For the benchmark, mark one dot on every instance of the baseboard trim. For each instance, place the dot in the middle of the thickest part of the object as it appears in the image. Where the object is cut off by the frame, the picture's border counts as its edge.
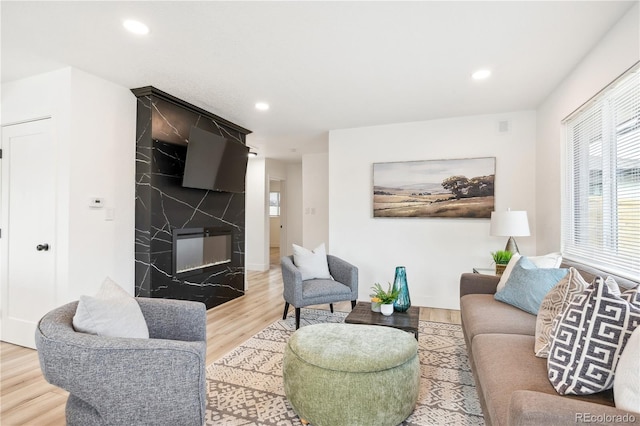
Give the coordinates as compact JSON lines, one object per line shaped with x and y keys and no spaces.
{"x":258,"y":267}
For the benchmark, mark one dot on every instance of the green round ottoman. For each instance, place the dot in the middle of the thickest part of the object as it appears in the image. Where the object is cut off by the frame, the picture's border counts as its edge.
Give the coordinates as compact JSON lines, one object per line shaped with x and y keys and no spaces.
{"x":348,"y":374}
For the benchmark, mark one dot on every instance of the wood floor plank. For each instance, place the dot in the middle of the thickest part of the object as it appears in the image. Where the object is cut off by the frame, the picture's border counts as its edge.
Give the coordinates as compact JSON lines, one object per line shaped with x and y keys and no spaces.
{"x":47,"y":407}
{"x":27,"y":399}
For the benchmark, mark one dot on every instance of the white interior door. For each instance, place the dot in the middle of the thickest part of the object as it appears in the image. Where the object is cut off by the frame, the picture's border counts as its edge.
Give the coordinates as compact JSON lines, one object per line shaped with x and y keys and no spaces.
{"x":28,"y":229}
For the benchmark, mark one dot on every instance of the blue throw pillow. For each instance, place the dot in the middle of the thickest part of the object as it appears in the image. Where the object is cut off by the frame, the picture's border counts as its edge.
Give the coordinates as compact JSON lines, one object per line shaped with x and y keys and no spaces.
{"x":527,"y":285}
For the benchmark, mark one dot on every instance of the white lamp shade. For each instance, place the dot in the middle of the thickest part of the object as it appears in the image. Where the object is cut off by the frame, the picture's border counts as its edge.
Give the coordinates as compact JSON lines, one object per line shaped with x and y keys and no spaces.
{"x":510,"y":223}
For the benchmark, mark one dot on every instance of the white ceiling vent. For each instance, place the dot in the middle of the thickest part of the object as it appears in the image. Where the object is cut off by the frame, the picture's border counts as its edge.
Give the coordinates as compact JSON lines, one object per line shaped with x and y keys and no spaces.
{"x":504,"y":126}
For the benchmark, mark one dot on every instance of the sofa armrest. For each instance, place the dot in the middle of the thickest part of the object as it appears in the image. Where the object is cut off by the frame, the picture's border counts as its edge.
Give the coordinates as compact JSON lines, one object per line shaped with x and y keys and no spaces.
{"x":478,"y":284}
{"x":291,"y":280}
{"x":345,"y":273}
{"x":174,"y":319}
{"x":530,"y":408}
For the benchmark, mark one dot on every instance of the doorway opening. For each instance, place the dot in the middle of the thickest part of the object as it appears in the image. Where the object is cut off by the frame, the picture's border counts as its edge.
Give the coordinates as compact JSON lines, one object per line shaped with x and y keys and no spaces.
{"x":277,"y":238}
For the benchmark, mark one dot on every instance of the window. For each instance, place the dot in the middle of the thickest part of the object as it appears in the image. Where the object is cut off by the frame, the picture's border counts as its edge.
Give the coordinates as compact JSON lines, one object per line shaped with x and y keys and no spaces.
{"x":274,"y":204}
{"x":601,"y":203}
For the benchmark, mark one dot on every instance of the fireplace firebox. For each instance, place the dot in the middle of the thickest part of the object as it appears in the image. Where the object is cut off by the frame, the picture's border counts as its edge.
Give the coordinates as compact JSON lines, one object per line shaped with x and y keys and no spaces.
{"x":197,"y":249}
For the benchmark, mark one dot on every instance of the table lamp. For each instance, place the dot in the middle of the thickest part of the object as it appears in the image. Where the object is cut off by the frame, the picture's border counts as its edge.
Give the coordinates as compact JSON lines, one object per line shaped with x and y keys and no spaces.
{"x":510,"y":223}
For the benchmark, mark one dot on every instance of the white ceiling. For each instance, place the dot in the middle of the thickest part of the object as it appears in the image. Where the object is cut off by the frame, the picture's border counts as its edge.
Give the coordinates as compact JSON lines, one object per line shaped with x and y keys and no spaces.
{"x":320,"y":65}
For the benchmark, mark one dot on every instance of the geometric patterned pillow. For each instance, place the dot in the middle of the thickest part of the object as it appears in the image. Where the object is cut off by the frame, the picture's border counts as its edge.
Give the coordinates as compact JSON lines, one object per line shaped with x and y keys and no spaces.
{"x":553,"y":304}
{"x":589,"y":337}
{"x":632,"y":296}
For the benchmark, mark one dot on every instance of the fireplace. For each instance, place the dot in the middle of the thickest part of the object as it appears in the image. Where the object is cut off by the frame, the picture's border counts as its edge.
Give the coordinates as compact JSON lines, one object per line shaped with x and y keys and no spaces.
{"x":196,"y":249}
{"x":163,"y":204}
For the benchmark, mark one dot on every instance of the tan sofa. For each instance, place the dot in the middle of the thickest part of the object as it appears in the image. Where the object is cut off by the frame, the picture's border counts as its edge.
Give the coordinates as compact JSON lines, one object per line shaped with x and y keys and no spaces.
{"x":511,"y":381}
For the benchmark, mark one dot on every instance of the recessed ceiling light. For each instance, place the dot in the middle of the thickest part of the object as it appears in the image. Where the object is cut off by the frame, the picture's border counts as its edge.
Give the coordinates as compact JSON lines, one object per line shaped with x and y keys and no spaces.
{"x":262,"y":106}
{"x":481,"y":74}
{"x":135,"y":27}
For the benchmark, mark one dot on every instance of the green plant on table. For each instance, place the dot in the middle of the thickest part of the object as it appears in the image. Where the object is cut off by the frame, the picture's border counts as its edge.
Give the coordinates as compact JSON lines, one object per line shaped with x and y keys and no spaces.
{"x":383,"y":297}
{"x":501,"y":257}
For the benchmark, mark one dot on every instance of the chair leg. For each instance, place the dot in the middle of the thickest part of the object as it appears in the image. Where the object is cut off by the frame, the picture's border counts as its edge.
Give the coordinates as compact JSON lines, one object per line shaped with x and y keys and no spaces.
{"x":297,"y":318}
{"x":331,"y":307}
{"x":286,"y":310}
{"x":353,"y":304}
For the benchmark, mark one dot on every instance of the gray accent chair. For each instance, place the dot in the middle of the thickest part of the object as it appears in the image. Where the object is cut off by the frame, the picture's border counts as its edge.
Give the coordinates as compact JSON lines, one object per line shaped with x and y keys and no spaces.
{"x":300,"y":293}
{"x":125,"y":381}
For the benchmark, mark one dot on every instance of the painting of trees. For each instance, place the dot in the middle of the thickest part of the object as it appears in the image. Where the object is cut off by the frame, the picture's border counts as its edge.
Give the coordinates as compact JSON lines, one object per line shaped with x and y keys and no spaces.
{"x":461,"y":188}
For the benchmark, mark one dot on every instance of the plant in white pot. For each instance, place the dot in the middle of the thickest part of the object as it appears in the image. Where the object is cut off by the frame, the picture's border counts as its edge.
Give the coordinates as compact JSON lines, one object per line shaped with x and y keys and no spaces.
{"x":384,"y":298}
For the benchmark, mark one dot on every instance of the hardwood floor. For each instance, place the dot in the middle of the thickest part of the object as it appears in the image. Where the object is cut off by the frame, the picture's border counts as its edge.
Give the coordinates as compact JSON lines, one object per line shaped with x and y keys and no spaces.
{"x":27,"y":399}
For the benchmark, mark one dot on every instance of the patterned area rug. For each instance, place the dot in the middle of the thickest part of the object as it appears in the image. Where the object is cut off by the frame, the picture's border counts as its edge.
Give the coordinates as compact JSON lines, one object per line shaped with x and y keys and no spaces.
{"x":245,"y":386}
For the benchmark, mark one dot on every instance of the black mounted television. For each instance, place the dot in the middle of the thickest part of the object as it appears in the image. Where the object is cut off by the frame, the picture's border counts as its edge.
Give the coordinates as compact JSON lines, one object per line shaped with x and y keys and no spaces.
{"x":214,"y":162}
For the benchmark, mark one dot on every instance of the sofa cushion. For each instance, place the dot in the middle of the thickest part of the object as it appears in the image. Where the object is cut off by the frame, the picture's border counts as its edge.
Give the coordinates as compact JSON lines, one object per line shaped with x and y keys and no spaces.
{"x":589,"y":337}
{"x":528,"y":285}
{"x":482,"y":314}
{"x":324,"y":288}
{"x":529,"y":408}
{"x":505,"y":363}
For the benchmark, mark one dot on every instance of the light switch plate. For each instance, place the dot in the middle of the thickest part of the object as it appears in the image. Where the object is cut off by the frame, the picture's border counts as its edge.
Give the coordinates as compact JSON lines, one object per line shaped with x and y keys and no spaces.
{"x":96,"y":202}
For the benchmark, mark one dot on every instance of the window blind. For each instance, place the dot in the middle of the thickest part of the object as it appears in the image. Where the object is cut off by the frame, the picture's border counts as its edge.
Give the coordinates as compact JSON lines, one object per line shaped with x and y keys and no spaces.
{"x":601,"y":202}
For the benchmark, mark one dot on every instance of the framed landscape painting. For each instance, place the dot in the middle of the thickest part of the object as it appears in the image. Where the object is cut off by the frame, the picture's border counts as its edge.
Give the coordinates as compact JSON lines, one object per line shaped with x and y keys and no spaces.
{"x":434,"y":188}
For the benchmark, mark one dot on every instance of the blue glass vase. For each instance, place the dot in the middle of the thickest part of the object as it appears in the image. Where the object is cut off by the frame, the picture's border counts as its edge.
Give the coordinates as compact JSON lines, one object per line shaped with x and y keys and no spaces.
{"x":403,"y":302}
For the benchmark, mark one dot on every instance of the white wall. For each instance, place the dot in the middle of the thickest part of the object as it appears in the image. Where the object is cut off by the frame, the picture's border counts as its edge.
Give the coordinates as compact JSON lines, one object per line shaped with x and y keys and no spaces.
{"x":293,"y":206}
{"x":434,"y":251}
{"x":103,"y":134}
{"x":257,"y":187}
{"x":315,"y":200}
{"x":94,"y":132}
{"x":615,"y":53}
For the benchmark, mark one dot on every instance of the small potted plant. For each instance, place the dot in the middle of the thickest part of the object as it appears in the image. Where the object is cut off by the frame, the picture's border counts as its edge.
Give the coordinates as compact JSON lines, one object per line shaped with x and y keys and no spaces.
{"x":501,"y":259}
{"x":384,"y":298}
{"x":375,"y":303}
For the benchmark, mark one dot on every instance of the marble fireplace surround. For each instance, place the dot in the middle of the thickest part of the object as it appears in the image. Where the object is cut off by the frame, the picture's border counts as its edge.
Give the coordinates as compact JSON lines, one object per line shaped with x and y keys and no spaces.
{"x":163,"y":205}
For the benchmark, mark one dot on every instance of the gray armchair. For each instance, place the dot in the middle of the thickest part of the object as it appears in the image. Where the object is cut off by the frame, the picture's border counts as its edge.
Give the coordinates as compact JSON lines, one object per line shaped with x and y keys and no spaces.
{"x":124,"y":381}
{"x":300,"y":293}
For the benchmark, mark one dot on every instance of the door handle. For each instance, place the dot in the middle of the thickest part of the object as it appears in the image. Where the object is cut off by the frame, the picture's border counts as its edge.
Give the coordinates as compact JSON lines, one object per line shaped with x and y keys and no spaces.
{"x":42,"y":247}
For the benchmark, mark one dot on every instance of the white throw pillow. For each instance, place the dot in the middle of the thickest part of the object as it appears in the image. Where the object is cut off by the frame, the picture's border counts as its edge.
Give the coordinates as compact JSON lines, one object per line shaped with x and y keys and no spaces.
{"x":111,"y":313}
{"x":312,"y":264}
{"x":613,"y":285}
{"x":551,"y":260}
{"x":626,"y":384}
